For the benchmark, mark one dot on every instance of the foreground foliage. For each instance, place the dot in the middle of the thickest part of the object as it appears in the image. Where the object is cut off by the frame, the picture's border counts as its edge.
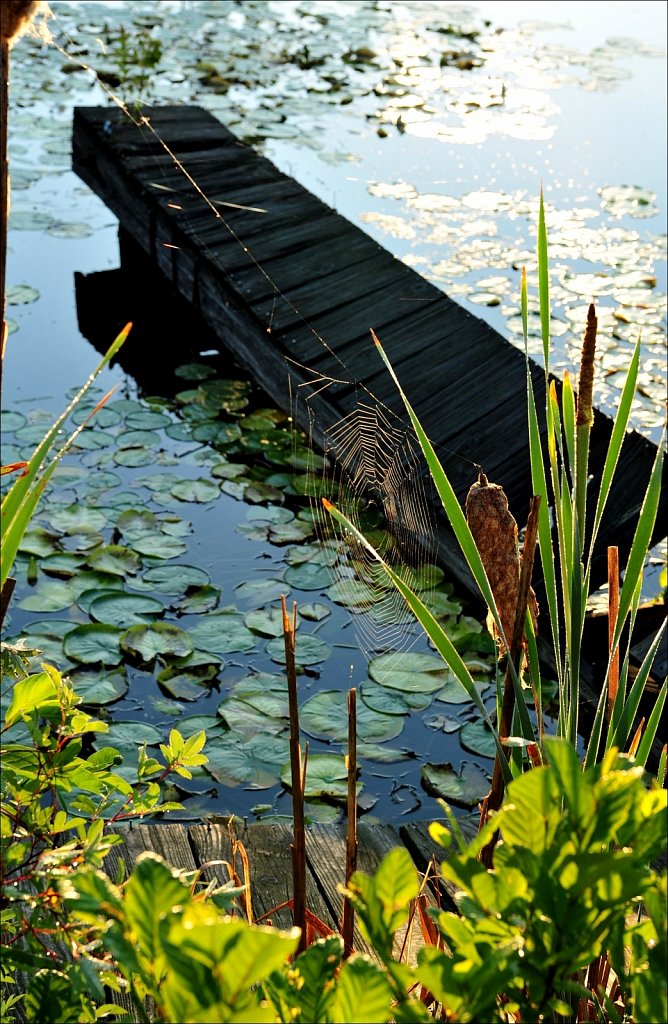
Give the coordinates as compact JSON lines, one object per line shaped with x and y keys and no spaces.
{"x":570,"y":879}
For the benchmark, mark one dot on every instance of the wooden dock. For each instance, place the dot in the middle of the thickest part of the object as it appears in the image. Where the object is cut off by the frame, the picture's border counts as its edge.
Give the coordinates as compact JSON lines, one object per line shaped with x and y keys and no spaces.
{"x":467,"y":383}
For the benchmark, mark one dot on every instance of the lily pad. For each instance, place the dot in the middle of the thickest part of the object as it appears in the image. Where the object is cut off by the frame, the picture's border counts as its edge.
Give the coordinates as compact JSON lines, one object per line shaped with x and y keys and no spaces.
{"x":158,"y":638}
{"x":38,"y":541}
{"x":94,"y":644}
{"x":191,"y":724}
{"x":325,"y":716}
{"x":308,"y":576}
{"x":133,"y":458}
{"x":124,"y":610}
{"x":195,"y":490}
{"x":477,"y":738}
{"x":309,"y":650}
{"x":63,"y":563}
{"x":21,"y":295}
{"x":158,"y":545}
{"x":389,"y":701}
{"x":49,"y":597}
{"x":463,"y":789}
{"x":315,"y":611}
{"x":136,"y":522}
{"x":147,"y":420}
{"x":408,"y":671}
{"x":265,"y":621}
{"x":12,"y":420}
{"x":194,"y":371}
{"x":352,"y":593}
{"x":255,"y":593}
{"x":254,"y":763}
{"x":326,"y":776}
{"x":75,"y":517}
{"x":99,"y":689}
{"x":197,"y":600}
{"x":223,"y":632}
{"x":132,"y":734}
{"x":454,"y":693}
{"x":269,"y":719}
{"x":171,"y":579}
{"x":186,"y":684}
{"x":382,"y":754}
{"x":115,"y":559}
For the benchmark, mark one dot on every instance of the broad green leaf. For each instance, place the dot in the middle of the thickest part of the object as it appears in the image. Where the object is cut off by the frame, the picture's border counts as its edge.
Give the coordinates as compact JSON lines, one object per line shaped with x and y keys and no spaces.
{"x":49,"y":597}
{"x":124,"y":610}
{"x":309,"y":650}
{"x":36,"y":693}
{"x":223,"y":632}
{"x":326,"y":776}
{"x":253,"y":762}
{"x":477,"y":738}
{"x":408,"y":671}
{"x":94,"y":644}
{"x":156,"y":639}
{"x":363,"y":994}
{"x":171,"y":579}
{"x":390,"y":701}
{"x":97,"y":688}
{"x":465,"y":788}
{"x":325,"y":716}
{"x":115,"y":559}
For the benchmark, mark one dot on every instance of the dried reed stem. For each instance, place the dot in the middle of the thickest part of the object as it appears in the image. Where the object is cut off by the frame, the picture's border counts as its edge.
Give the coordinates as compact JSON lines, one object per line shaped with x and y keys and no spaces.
{"x":495,"y":797}
{"x":348,"y":918}
{"x":613,"y":609}
{"x":298,"y":773}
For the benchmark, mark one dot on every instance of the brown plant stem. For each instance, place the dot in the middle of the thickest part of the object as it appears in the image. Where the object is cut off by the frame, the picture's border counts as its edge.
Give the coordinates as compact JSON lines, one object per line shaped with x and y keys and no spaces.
{"x":613,"y":609}
{"x":495,"y":797}
{"x":348,"y":918}
{"x":5,"y":596}
{"x":298,"y":774}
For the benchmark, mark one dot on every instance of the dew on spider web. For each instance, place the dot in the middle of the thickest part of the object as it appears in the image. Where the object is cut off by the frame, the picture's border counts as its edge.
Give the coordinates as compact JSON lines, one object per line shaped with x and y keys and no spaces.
{"x":372,"y":469}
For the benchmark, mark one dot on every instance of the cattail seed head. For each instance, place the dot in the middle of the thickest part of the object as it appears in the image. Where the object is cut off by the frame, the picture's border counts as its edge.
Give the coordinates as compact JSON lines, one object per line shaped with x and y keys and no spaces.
{"x":585,"y":408}
{"x":495,"y":533}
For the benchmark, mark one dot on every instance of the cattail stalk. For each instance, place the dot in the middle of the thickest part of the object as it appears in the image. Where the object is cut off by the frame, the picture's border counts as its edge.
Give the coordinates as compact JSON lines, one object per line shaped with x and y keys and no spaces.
{"x":298,"y":778}
{"x":613,"y":610}
{"x":348,"y":918}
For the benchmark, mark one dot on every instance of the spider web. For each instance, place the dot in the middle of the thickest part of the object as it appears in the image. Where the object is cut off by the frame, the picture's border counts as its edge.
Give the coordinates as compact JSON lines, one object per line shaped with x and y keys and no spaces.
{"x":373,"y":470}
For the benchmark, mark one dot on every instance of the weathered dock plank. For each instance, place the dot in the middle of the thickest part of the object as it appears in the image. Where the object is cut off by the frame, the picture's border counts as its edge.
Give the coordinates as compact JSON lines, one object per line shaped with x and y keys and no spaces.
{"x":271,"y":283}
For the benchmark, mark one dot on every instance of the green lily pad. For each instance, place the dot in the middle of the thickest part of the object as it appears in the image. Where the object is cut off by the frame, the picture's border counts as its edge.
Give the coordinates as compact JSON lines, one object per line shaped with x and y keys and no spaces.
{"x":291,"y":533}
{"x":454,"y":693}
{"x":100,"y":481}
{"x":12,"y":421}
{"x":315,"y":611}
{"x":136,"y":522}
{"x":186,"y":684}
{"x":49,"y":597}
{"x":20,"y":295}
{"x":171,"y":579}
{"x":477,"y":738}
{"x":88,"y":580}
{"x":243,"y":717}
{"x":197,"y":600}
{"x":191,"y":724}
{"x":75,"y":517}
{"x":158,"y":638}
{"x":441,"y":605}
{"x":132,"y":734}
{"x":325,"y":716}
{"x":223,"y":632}
{"x":133,"y":458}
{"x":309,"y":650}
{"x":147,"y":420}
{"x":389,"y":701}
{"x":463,"y":789}
{"x":326,"y":776}
{"x":265,"y":621}
{"x":175,"y":526}
{"x":442,"y":723}
{"x":230,"y":470}
{"x":382,"y":754}
{"x":49,"y":627}
{"x":195,"y":490}
{"x":94,"y":644}
{"x":83,"y":539}
{"x":407,"y":671}
{"x":160,"y":481}
{"x":103,"y":418}
{"x":252,"y":762}
{"x":115,"y":559}
{"x":353,"y":593}
{"x":159,"y":545}
{"x":63,"y":563}
{"x":308,"y":576}
{"x":255,"y":593}
{"x":194,"y":371}
{"x":99,"y":689}
{"x":38,"y":541}
{"x":261,"y":683}
{"x":124,"y":610}
{"x":138,"y":439}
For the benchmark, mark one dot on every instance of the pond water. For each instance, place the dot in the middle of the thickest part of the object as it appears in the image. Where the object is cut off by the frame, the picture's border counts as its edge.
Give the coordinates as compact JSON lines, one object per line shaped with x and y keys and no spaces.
{"x":431,"y":125}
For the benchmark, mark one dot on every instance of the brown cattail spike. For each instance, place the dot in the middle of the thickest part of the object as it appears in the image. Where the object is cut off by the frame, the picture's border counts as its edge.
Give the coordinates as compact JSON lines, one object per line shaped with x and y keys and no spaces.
{"x":585,"y":410}
{"x":495,"y":533}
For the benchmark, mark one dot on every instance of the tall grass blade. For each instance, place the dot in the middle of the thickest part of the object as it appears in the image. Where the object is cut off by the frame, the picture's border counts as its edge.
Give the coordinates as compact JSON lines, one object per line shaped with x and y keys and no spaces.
{"x":618,"y":736}
{"x":652,"y":725}
{"x":430,"y":625}
{"x":543,"y":284}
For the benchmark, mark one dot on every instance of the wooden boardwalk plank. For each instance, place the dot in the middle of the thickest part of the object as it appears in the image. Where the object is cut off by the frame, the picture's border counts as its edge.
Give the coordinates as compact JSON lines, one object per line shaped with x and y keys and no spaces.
{"x":466,"y":382}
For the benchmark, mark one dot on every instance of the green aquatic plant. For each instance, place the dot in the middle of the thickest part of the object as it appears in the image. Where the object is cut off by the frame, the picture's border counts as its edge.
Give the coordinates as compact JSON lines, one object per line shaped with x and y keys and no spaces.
{"x":570,"y":546}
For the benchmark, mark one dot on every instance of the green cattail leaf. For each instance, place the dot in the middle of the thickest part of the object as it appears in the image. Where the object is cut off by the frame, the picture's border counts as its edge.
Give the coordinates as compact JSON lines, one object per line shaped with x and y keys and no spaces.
{"x":543,"y":284}
{"x":568,"y":410}
{"x":646,"y":742}
{"x":619,"y":736}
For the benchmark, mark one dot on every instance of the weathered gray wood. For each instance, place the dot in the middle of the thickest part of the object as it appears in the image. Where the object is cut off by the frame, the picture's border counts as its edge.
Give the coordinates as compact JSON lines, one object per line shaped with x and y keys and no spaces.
{"x":426,"y":853}
{"x":326,"y":855}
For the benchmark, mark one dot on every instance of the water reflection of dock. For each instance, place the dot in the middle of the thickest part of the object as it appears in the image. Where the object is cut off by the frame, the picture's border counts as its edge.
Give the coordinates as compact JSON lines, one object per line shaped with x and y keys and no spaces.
{"x":279,"y":269}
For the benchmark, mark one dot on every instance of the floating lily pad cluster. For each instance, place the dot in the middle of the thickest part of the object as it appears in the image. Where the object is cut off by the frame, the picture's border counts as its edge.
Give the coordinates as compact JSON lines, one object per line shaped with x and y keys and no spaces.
{"x":110,"y":592}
